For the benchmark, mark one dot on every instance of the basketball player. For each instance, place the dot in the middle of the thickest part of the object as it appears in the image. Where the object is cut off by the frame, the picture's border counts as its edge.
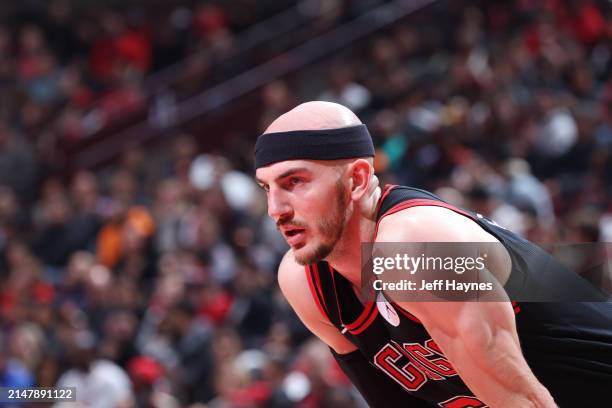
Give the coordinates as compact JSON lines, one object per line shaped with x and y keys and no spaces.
{"x":315,"y":164}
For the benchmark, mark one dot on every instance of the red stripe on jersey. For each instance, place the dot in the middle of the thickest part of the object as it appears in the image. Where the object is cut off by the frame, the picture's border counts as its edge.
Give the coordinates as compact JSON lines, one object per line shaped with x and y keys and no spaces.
{"x":367,"y":323}
{"x":313,"y":290}
{"x":364,"y":313}
{"x":425,"y":201}
{"x":386,"y":190}
{"x":315,"y":269}
{"x":362,"y":318}
{"x":420,"y":202}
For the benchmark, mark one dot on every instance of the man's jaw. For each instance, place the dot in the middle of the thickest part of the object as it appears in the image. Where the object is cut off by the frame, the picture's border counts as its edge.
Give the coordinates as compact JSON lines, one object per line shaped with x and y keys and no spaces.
{"x":311,"y":251}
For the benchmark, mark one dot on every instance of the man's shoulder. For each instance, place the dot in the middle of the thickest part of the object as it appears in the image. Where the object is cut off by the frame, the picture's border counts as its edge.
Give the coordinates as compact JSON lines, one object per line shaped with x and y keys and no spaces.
{"x":290,"y":273}
{"x":426,"y":223}
{"x":293,"y":282}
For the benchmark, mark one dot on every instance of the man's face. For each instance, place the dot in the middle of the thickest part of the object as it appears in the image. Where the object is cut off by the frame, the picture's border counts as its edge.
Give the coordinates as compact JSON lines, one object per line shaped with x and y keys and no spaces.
{"x":309,"y":204}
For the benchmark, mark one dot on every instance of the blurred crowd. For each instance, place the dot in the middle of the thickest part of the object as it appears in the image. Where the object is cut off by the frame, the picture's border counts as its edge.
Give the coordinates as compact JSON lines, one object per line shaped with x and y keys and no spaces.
{"x":70,"y":68}
{"x":505,"y":109}
{"x":151,"y":282}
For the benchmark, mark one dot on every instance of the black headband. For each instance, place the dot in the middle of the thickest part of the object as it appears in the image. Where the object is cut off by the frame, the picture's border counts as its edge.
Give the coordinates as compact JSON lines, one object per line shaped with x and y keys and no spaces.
{"x":324,"y":144}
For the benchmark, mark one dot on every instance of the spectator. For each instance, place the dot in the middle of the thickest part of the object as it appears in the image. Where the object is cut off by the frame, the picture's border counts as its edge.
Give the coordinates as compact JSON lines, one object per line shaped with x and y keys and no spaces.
{"x":100,"y":383}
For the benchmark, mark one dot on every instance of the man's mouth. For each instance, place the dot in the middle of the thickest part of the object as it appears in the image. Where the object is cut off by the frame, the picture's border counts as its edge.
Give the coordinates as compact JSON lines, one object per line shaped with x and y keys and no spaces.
{"x":293,"y":232}
{"x":294,"y":236}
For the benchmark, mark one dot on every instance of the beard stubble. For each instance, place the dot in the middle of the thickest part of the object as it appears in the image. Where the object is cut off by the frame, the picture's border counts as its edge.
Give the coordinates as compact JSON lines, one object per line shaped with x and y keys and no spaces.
{"x":331,"y":228}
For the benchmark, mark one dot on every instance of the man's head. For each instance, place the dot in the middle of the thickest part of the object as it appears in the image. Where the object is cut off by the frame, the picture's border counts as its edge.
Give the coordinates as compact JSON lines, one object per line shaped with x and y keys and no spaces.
{"x":312,"y":201}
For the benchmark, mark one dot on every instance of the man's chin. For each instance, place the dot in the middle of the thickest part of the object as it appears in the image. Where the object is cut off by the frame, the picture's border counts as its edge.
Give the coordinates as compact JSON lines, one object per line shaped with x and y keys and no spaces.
{"x":305,"y":256}
{"x":301,"y":255}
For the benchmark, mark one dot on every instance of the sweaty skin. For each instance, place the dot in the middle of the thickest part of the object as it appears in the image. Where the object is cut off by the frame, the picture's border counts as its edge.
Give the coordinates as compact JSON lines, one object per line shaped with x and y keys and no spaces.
{"x":325,"y":209}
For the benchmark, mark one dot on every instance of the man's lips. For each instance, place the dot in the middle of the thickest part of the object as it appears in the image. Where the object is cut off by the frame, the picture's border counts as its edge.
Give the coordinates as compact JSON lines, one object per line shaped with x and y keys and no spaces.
{"x":293,"y":235}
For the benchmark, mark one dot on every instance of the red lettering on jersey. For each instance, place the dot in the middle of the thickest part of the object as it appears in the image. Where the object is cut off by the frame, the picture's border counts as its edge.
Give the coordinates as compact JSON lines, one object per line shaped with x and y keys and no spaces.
{"x":431,"y":374}
{"x":411,"y":375}
{"x":433,"y":346}
{"x":407,"y":375}
{"x":438,"y":365}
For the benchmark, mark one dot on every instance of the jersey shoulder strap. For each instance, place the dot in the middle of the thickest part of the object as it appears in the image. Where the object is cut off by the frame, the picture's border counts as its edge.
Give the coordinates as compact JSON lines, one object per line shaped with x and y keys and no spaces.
{"x":336,"y":299}
{"x":320,"y":282}
{"x":394,"y":195}
{"x":396,"y":198}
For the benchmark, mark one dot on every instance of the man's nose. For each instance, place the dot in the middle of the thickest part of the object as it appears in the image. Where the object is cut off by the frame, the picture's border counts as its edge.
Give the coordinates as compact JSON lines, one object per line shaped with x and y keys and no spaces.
{"x":278,"y":206}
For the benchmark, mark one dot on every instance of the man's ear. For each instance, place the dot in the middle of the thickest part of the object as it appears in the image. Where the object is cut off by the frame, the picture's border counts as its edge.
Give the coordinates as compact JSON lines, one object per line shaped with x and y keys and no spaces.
{"x":361,"y":173}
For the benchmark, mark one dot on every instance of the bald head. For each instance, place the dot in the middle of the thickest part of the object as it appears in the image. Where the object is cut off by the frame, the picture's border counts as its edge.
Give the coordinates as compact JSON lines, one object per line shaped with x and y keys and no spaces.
{"x":314,"y":115}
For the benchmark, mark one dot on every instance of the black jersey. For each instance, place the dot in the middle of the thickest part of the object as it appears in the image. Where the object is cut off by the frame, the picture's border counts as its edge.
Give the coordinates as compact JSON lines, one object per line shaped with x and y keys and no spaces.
{"x":567,"y":345}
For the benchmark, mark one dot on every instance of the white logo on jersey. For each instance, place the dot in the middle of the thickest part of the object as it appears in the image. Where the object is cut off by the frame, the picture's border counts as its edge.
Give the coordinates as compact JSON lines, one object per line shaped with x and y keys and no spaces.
{"x":386,"y":310}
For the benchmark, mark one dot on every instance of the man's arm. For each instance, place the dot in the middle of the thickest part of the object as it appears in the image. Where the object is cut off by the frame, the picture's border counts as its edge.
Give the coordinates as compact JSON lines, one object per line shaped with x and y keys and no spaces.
{"x":375,"y":386}
{"x":478,"y":338}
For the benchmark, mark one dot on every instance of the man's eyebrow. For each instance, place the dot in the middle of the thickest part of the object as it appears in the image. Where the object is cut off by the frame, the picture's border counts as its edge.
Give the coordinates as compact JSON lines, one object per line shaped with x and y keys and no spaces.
{"x":288,"y":173}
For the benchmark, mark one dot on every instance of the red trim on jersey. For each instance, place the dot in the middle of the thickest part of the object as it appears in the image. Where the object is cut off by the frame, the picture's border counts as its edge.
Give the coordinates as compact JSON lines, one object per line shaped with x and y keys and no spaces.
{"x":425,"y":201}
{"x":362,"y":318}
{"x":367,"y":323}
{"x":315,"y":269}
{"x":364,"y":313}
{"x":386,"y":190}
{"x":314,"y":292}
{"x":420,"y":202}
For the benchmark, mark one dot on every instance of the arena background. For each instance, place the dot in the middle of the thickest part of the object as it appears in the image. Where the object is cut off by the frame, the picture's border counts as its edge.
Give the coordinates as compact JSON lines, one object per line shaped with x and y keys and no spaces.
{"x":136,"y":258}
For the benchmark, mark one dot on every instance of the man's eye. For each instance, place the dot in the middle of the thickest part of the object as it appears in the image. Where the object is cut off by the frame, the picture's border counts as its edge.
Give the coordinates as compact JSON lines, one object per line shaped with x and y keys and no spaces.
{"x":295,"y":181}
